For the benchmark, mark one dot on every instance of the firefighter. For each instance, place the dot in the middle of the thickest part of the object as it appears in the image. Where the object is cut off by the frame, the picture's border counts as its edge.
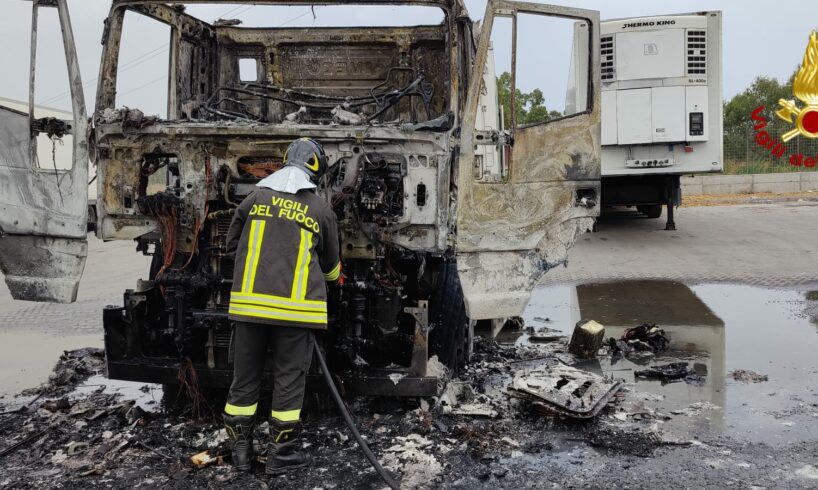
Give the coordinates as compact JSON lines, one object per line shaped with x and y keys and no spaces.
{"x":284,"y":238}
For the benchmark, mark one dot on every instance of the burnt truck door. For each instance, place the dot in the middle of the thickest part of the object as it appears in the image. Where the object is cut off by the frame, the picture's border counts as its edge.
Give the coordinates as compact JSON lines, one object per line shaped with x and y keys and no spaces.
{"x":517,"y":217}
{"x":43,"y":208}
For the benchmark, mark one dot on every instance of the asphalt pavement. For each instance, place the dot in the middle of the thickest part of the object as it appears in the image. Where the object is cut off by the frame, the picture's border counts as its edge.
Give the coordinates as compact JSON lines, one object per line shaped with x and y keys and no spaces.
{"x":770,"y":245}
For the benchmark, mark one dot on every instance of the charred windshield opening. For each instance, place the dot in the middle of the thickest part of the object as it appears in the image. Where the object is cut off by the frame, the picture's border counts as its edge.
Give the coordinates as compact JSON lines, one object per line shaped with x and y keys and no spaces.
{"x":231,"y":69}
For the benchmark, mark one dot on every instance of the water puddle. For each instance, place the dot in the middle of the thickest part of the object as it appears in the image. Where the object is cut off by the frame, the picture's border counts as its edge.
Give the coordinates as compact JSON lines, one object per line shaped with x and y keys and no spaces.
{"x":27,"y":357}
{"x":147,"y":396}
{"x":717,"y":329}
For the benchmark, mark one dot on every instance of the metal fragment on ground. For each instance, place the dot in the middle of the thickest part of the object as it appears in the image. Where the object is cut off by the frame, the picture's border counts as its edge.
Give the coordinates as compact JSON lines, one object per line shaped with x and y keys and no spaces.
{"x":567,"y":390}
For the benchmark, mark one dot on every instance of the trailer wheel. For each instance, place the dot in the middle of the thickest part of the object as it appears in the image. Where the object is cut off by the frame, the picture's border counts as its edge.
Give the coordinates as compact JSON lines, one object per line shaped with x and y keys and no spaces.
{"x":652,"y":211}
{"x":452,"y":336}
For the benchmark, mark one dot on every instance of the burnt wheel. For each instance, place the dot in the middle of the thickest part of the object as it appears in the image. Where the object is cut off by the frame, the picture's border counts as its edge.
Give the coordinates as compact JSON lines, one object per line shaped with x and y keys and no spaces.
{"x":452,"y":334}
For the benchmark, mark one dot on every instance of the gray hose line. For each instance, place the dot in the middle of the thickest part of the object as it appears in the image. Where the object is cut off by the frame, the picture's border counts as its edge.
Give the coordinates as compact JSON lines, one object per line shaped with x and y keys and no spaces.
{"x":348,"y":419}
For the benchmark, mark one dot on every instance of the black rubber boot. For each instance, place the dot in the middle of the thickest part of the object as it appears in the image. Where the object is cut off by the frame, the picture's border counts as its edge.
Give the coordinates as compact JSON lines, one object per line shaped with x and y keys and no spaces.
{"x":240,"y":431}
{"x":284,"y":452}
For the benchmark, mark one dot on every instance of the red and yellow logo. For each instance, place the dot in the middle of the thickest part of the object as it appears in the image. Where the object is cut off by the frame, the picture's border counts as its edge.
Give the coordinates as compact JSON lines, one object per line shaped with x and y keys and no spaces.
{"x":805,"y":88}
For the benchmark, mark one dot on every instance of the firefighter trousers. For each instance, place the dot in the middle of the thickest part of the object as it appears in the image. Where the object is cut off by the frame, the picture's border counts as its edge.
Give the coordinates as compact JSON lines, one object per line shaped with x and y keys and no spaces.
{"x":291,"y":357}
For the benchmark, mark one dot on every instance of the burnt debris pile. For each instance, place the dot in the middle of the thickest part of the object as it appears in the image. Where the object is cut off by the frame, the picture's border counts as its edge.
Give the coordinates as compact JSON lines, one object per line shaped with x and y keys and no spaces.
{"x":530,"y":399}
{"x":646,"y":339}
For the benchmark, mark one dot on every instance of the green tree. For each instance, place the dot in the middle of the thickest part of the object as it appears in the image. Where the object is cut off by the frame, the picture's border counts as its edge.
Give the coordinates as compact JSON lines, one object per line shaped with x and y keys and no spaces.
{"x":530,"y":107}
{"x":763,"y":91}
{"x":740,"y":148}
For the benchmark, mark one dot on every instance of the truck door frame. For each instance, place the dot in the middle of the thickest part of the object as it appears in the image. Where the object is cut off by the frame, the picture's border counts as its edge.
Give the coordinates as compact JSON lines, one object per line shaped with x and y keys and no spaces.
{"x":43,"y":212}
{"x":510,"y":232}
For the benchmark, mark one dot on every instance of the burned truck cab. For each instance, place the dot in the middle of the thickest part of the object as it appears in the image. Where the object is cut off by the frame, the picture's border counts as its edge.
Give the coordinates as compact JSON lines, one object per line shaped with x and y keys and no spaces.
{"x":432,"y":240}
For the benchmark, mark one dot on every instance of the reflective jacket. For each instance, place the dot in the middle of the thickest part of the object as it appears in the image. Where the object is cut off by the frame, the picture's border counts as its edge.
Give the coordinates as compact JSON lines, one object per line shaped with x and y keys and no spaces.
{"x":286,"y":248}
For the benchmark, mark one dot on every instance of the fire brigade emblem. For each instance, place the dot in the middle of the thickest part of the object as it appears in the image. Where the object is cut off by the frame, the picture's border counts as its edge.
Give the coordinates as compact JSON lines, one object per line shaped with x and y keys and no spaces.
{"x":805,"y":88}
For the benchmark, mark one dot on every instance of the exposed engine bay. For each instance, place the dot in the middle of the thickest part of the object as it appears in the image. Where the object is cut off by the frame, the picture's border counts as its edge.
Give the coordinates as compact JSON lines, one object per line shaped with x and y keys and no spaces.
{"x":172,"y":185}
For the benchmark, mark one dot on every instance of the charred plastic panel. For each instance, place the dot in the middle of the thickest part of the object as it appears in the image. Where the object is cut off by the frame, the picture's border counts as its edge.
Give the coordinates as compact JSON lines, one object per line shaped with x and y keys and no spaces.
{"x":43,"y":212}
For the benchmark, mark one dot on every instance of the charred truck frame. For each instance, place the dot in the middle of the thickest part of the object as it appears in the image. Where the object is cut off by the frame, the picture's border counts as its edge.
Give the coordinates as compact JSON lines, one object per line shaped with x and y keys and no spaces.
{"x":430,"y":244}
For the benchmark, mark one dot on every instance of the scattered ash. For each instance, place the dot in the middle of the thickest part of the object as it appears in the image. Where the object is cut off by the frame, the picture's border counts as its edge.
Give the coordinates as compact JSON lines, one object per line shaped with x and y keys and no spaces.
{"x":633,"y":441}
{"x":746,"y":376}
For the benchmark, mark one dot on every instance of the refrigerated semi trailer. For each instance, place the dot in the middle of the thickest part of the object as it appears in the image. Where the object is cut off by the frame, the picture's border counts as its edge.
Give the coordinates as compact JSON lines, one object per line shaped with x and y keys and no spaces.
{"x":661,"y":107}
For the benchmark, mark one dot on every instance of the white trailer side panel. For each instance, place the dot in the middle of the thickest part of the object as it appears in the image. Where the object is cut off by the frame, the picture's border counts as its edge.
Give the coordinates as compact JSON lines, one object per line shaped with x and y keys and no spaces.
{"x":650,"y":54}
{"x":667,"y":114}
{"x":633,"y":116}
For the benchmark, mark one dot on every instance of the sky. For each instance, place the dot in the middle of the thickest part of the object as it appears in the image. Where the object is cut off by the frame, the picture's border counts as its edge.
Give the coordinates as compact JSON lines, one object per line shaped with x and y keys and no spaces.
{"x":758,"y":40}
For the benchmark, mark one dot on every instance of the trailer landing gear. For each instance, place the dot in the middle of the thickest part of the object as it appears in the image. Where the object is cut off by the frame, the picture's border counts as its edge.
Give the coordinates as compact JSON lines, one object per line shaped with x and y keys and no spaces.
{"x":673,"y":198}
{"x":670,"y":225}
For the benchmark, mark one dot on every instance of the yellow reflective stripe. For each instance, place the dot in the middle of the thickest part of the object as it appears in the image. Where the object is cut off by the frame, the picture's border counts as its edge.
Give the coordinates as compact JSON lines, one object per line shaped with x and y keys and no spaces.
{"x":236,"y":410}
{"x":261,"y":225}
{"x":251,"y":304}
{"x":251,"y":261}
{"x":278,"y":314}
{"x":305,"y":281}
{"x":287,"y":415}
{"x":283,"y":433}
{"x":334,"y":274}
{"x":301,"y":274}
{"x":270,"y":297}
{"x":249,"y":258}
{"x":286,"y":303}
{"x":299,"y":260}
{"x":282,"y":311}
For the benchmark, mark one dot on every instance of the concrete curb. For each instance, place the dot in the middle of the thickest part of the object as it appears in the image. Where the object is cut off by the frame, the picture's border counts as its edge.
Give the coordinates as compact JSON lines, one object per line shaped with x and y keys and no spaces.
{"x":781,"y":183}
{"x":739,"y":200}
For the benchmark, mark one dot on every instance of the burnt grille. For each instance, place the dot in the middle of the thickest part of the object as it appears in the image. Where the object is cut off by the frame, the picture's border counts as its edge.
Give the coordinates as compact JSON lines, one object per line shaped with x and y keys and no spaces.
{"x":223,"y":224}
{"x":696,"y":52}
{"x":222,"y":338}
{"x":606,"y":58}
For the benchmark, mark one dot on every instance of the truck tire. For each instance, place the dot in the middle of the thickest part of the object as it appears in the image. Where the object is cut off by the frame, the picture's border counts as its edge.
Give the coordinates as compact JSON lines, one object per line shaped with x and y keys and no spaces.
{"x":652,"y":211}
{"x":452,"y":335}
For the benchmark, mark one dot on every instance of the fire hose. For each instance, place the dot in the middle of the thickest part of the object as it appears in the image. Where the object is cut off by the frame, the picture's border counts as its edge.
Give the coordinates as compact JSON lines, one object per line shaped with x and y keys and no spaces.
{"x":387,"y":478}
